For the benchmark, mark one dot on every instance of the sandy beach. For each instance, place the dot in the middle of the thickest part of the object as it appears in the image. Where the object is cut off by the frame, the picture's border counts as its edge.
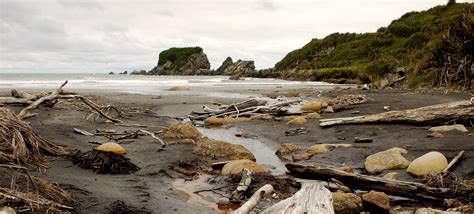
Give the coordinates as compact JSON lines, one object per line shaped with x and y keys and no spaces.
{"x":157,"y":188}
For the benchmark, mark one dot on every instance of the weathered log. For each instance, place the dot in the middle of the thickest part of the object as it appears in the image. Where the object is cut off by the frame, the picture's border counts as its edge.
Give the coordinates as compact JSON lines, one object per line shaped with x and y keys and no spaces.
{"x":14,"y":101}
{"x":261,"y":193}
{"x":26,"y":112}
{"x":454,"y":161}
{"x":364,"y":182}
{"x":22,"y":94}
{"x":461,"y":110}
{"x":312,"y":198}
{"x":244,"y":184}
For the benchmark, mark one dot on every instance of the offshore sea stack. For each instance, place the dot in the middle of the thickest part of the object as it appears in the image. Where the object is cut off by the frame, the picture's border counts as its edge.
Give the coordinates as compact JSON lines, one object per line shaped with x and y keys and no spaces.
{"x":182,"y":61}
{"x":240,"y":68}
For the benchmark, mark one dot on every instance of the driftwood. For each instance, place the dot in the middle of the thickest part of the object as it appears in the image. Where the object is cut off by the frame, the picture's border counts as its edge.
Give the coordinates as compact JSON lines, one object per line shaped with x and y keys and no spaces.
{"x":453,"y":161}
{"x":83,"y":132}
{"x":365,"y":182}
{"x":26,"y":112}
{"x":312,"y":198}
{"x":14,"y":101}
{"x":163,"y":144}
{"x":461,"y":110}
{"x":253,"y":201}
{"x":244,"y":184}
{"x":22,"y":94}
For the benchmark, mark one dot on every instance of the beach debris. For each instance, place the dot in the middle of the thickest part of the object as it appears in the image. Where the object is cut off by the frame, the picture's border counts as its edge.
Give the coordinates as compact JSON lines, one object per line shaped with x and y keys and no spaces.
{"x":263,"y":192}
{"x":363,"y":139}
{"x":447,"y":128}
{"x":83,"y":132}
{"x":406,"y":189}
{"x":388,"y":159}
{"x":366,"y":87}
{"x":102,"y":162}
{"x":460,"y":110}
{"x":297,"y":121}
{"x":454,"y":161}
{"x":217,"y":149}
{"x":343,"y":102}
{"x":296,"y":131}
{"x":376,"y":202}
{"x":435,"y":135}
{"x":287,"y":148}
{"x":112,"y":147}
{"x":346,"y":202}
{"x":429,"y":163}
{"x":300,"y":157}
{"x":108,"y":131}
{"x":178,"y":88}
{"x":312,"y":198}
{"x":238,"y":193}
{"x":20,"y":144}
{"x":182,"y":130}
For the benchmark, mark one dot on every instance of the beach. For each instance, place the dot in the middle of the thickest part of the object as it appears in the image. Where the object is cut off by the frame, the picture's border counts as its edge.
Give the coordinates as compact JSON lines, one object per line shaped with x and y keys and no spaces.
{"x":158,"y":188}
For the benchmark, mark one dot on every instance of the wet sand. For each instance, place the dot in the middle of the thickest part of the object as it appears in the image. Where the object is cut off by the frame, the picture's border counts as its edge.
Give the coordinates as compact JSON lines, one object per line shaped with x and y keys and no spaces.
{"x":153,"y":187}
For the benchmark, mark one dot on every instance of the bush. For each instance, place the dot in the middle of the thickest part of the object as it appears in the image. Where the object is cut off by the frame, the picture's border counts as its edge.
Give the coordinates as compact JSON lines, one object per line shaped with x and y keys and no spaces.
{"x":381,"y":66}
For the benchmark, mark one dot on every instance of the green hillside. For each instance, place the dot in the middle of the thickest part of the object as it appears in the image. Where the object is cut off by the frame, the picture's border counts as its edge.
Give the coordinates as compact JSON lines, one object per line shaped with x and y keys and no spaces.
{"x":435,"y":47}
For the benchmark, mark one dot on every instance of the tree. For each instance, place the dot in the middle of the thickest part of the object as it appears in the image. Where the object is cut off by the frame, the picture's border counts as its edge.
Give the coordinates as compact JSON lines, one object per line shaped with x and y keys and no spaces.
{"x":451,"y":2}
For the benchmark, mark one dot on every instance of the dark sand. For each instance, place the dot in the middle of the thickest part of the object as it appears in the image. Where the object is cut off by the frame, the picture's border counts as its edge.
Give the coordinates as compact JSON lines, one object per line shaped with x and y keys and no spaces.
{"x":151,"y":188}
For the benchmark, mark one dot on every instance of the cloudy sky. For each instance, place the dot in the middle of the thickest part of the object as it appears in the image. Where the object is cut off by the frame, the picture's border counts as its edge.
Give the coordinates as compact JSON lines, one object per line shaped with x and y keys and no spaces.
{"x":118,"y":35}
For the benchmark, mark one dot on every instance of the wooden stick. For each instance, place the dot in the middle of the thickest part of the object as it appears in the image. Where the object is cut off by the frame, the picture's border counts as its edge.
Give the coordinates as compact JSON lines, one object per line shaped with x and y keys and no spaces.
{"x":454,"y":161}
{"x":83,"y":132}
{"x":433,"y":114}
{"x":365,"y":182}
{"x":54,"y":95}
{"x":243,"y":185}
{"x":312,"y":198}
{"x":261,"y":193}
{"x":163,"y":144}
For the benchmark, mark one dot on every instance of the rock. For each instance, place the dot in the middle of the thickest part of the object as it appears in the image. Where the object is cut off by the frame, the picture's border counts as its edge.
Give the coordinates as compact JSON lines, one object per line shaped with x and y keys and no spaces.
{"x":388,"y":159}
{"x":111,"y":73}
{"x":312,"y":106}
{"x":390,"y":175}
{"x":312,"y":116}
{"x":297,"y":121}
{"x":182,"y":142}
{"x":346,"y":169}
{"x":240,"y":68}
{"x":318,"y":148}
{"x":6,"y":209}
{"x":112,"y":147}
{"x":287,"y":148}
{"x":434,"y":211}
{"x":140,"y":72}
{"x":262,"y":117}
{"x":218,"y":121}
{"x":182,"y":61}
{"x":178,"y":88}
{"x":296,"y":131}
{"x":431,"y":162}
{"x":386,"y":108}
{"x":346,"y":203}
{"x":227,"y":62}
{"x":376,"y":202}
{"x":156,"y":97}
{"x":458,"y":127}
{"x":223,"y":201}
{"x":355,"y":112}
{"x":236,"y":167}
{"x":218,"y":149}
{"x":245,"y":134}
{"x":363,"y":139}
{"x":234,"y":77}
{"x":382,"y":84}
{"x":182,"y":130}
{"x":300,"y":157}
{"x":435,"y":135}
{"x":329,"y":109}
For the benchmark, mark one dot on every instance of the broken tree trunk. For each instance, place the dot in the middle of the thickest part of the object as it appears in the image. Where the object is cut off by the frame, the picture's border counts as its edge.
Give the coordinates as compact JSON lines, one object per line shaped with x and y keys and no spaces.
{"x":461,"y":110}
{"x":312,"y":198}
{"x":244,"y":184}
{"x":365,"y":182}
{"x":26,"y":112}
{"x":253,"y":201}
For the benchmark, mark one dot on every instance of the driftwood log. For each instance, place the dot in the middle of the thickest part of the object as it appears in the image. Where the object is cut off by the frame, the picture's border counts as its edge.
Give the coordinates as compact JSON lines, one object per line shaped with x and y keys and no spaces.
{"x":26,"y":112}
{"x":261,"y":193}
{"x":312,"y":198}
{"x":461,"y":110}
{"x":364,"y":182}
{"x":244,"y":184}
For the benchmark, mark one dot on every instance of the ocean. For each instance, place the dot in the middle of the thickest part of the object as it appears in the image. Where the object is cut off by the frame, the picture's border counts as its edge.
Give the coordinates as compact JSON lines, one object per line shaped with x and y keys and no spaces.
{"x":141,"y":84}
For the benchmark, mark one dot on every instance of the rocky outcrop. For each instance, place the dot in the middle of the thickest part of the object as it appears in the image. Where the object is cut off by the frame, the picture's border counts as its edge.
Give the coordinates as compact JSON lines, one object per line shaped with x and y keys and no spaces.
{"x":182,"y":61}
{"x":240,"y":68}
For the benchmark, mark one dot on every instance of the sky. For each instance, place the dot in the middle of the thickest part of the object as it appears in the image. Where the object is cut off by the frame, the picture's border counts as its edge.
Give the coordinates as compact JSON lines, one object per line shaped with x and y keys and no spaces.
{"x":118,"y":35}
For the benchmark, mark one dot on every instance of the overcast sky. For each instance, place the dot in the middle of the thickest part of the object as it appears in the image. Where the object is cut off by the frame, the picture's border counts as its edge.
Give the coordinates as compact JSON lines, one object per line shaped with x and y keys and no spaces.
{"x":118,"y":35}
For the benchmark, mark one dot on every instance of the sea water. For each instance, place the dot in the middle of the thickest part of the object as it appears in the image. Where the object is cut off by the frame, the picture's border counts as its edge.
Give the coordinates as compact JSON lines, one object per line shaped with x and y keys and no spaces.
{"x":145,"y":84}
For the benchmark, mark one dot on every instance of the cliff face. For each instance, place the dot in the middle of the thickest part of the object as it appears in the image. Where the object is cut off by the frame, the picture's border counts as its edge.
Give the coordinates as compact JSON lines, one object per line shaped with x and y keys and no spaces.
{"x":240,"y":68}
{"x":182,"y":61}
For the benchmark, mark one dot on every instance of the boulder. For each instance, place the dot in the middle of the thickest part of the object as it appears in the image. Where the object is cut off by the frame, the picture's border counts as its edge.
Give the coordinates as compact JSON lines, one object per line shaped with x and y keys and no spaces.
{"x":236,"y":167}
{"x":112,"y":147}
{"x":458,"y":127}
{"x":227,"y":62}
{"x":388,"y":159}
{"x":318,"y":148}
{"x":287,"y":148}
{"x":300,"y":157}
{"x":312,"y":116}
{"x":297,"y":121}
{"x":376,"y":202}
{"x":346,"y":203}
{"x":218,"y":149}
{"x":431,"y":162}
{"x":312,"y":106}
{"x":240,"y":68}
{"x":182,"y":130}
